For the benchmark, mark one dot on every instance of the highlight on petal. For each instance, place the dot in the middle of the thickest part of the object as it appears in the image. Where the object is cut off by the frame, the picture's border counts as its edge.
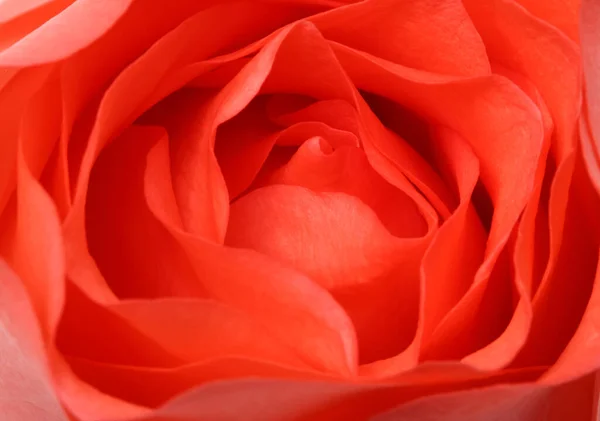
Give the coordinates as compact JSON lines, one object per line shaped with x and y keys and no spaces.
{"x":26,"y":390}
{"x":589,"y":128}
{"x":37,"y":253}
{"x":74,"y":28}
{"x":11,"y":9}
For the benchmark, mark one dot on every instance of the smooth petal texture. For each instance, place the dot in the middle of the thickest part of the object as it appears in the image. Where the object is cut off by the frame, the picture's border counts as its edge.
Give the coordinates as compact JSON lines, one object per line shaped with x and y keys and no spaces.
{"x":333,"y":84}
{"x":27,"y":391}
{"x":132,"y":93}
{"x":242,"y":146}
{"x":239,"y":172}
{"x":198,"y":183}
{"x":448,"y":275}
{"x":16,"y":94}
{"x":346,"y":169}
{"x":11,"y":9}
{"x":92,"y":331}
{"x":399,"y":31}
{"x":563,"y":101}
{"x":286,"y":298}
{"x":269,"y":399}
{"x":83,"y":82}
{"x":195,"y":330}
{"x":514,"y":402}
{"x":507,"y":103}
{"x":339,"y":242}
{"x":380,"y":141}
{"x":401,"y":86}
{"x":589,"y":129}
{"x":152,"y":387}
{"x":320,"y":328}
{"x":581,"y":355}
{"x":37,"y":255}
{"x":72,"y":29}
{"x":146,"y":262}
{"x":520,"y":42}
{"x":564,"y":104}
{"x":563,"y":14}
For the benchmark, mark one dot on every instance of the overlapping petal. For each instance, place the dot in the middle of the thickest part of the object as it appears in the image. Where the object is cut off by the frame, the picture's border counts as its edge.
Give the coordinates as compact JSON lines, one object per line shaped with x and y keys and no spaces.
{"x":290,"y":209}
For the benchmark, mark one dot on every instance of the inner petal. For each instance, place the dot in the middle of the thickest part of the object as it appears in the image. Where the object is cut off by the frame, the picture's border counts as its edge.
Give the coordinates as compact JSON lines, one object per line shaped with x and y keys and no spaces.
{"x":134,"y":252}
{"x":339,"y":242}
{"x":347,"y":170}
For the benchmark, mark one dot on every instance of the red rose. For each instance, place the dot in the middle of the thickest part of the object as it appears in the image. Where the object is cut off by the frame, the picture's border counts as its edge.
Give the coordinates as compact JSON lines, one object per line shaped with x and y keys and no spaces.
{"x":299,"y":210}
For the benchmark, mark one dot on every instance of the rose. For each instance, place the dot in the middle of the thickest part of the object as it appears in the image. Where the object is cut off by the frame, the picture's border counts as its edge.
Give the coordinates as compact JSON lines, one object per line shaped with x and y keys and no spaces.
{"x":297,"y":210}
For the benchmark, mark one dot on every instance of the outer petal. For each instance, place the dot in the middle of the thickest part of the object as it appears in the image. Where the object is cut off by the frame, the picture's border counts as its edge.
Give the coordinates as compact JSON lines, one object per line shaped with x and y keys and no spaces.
{"x":135,"y":253}
{"x":401,"y":30}
{"x":590,"y":119}
{"x":285,"y":400}
{"x":564,"y":14}
{"x":401,"y":85}
{"x":11,"y":9}
{"x":74,"y":28}
{"x":503,"y":402}
{"x":26,"y":390}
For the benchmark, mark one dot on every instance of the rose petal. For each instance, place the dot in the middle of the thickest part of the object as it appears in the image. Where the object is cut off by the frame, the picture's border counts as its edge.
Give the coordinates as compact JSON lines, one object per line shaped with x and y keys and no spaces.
{"x":91,"y":330}
{"x":581,"y":354}
{"x":15,"y":96}
{"x":242,"y":146}
{"x":522,"y":43}
{"x":11,"y":9}
{"x":269,"y":399}
{"x":339,"y":242}
{"x":342,"y":115}
{"x":564,"y":14}
{"x":400,"y":31}
{"x":346,"y":170}
{"x":590,"y":121}
{"x":523,"y":403}
{"x":27,"y":392}
{"x":37,"y":251}
{"x":188,"y":117}
{"x":308,"y":318}
{"x":134,"y":252}
{"x":152,"y":387}
{"x":456,"y":251}
{"x":128,"y":96}
{"x":17,"y":22}
{"x":504,"y":348}
{"x":445,"y":101}
{"x":74,"y":28}
{"x":545,"y":297}
{"x":290,"y":75}
{"x":196,"y":329}
{"x":560,"y":304}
